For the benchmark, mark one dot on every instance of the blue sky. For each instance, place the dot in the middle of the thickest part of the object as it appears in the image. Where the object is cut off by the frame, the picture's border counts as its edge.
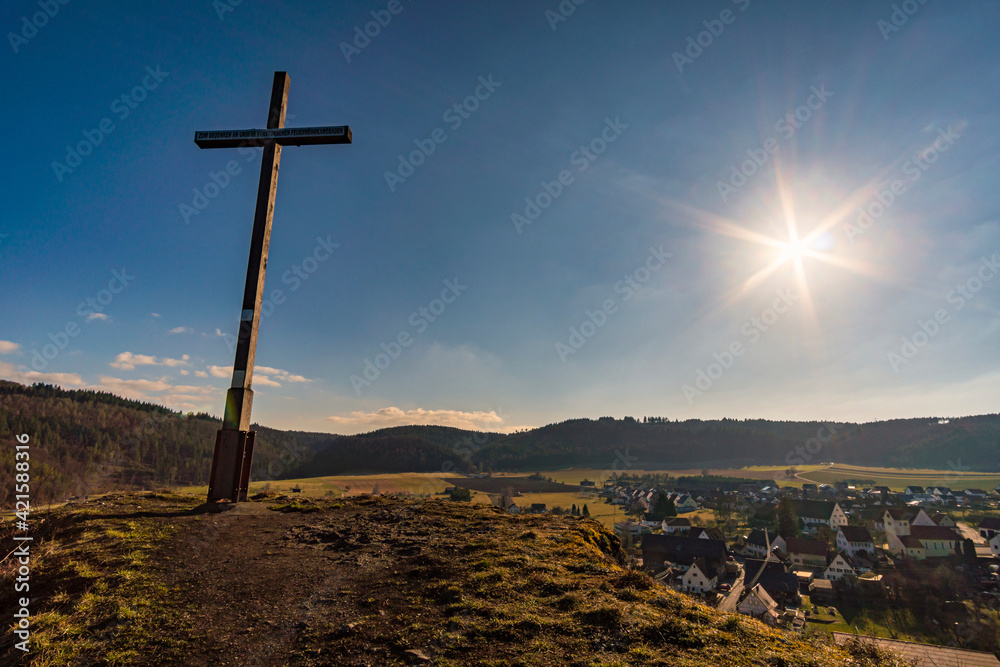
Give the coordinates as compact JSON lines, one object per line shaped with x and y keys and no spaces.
{"x":653,"y":278}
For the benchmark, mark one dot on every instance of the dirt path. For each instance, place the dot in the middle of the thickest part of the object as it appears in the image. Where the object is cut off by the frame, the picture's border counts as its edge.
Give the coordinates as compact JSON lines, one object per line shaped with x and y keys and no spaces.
{"x":251,"y":591}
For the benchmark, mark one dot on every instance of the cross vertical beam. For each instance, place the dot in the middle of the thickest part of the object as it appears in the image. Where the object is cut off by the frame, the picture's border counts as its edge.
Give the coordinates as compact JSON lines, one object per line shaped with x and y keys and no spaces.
{"x":239,"y":398}
{"x":230,"y":475}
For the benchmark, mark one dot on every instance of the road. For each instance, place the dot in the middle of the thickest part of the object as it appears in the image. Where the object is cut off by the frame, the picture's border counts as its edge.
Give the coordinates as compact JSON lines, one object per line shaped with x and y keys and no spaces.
{"x":732,"y":598}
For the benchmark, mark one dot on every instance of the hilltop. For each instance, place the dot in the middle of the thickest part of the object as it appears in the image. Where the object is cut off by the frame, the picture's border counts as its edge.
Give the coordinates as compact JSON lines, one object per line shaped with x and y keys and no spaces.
{"x":152,"y":578}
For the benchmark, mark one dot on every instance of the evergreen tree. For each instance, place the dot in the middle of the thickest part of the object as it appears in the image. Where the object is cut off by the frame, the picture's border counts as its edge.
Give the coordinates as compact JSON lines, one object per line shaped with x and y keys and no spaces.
{"x":788,"y":519}
{"x":586,"y":511}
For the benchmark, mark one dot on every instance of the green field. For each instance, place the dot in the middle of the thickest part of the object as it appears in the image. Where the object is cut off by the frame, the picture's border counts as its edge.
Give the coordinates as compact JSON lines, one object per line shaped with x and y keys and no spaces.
{"x":898,"y":479}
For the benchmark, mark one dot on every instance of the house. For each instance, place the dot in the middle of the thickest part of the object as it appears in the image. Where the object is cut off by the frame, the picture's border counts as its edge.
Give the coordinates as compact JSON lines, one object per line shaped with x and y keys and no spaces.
{"x":942,"y":519}
{"x":629,"y":531}
{"x":701,"y":577}
{"x":537,"y":508}
{"x":897,"y":522}
{"x":840,"y":566}
{"x":658,"y":550}
{"x":706,"y":534}
{"x":913,"y":491}
{"x":821,"y":591}
{"x":674,"y":524}
{"x":995,"y":545}
{"x":911,"y":548}
{"x":989,"y":527}
{"x":975,"y":494}
{"x":938,"y":541}
{"x":758,"y":604}
{"x":810,"y":488}
{"x":760,"y":542}
{"x":685,"y":503}
{"x":780,"y":584}
{"x":852,"y":539}
{"x":814,"y":513}
{"x":804,"y":551}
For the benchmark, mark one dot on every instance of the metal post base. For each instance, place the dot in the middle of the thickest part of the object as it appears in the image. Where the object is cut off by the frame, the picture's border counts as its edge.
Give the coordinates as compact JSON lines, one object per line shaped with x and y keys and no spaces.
{"x":231,"y":465}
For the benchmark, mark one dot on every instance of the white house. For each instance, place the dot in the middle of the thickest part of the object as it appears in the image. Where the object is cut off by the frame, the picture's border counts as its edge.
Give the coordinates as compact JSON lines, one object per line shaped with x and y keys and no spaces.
{"x":840,"y":566}
{"x":815,"y":513}
{"x":995,"y":545}
{"x":700,"y":577}
{"x":852,"y":539}
{"x":758,"y":604}
{"x":685,"y":503}
{"x":757,"y":543}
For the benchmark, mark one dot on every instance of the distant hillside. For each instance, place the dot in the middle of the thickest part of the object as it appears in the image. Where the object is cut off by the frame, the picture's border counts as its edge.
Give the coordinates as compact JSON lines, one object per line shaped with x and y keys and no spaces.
{"x":397,"y":449}
{"x":969,"y":443}
{"x":85,"y":442}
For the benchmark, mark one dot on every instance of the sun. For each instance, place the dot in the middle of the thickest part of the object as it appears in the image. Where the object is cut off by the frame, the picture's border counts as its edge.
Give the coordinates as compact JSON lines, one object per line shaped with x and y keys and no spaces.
{"x":793,"y":251}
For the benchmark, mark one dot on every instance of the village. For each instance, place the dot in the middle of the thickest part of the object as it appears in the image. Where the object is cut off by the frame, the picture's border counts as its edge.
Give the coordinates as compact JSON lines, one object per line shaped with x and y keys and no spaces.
{"x":792,"y":556}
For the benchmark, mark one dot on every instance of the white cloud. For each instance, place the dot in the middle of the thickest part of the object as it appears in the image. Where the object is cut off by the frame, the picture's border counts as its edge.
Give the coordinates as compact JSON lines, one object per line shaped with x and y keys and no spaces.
{"x":200,"y":374}
{"x":155,"y":314}
{"x":11,"y":372}
{"x":7,"y":347}
{"x":220,"y":371}
{"x":180,"y":330}
{"x":185,"y":372}
{"x":179,"y":397}
{"x":96,"y":316}
{"x":127,"y":361}
{"x":280,"y":374}
{"x":392,"y":416}
{"x":264,"y":381}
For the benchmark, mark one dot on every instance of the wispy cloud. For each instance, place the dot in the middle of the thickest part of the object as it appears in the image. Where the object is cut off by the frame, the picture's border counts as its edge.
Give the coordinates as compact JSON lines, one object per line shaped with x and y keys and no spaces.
{"x":7,"y":347}
{"x":392,"y":416}
{"x":180,"y":330}
{"x":11,"y":372}
{"x":97,"y":316}
{"x":127,"y":361}
{"x":279,"y":374}
{"x":220,"y":371}
{"x":162,"y":391}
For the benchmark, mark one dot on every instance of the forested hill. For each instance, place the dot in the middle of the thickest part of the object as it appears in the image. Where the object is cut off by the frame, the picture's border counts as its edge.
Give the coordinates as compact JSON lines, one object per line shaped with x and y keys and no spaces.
{"x":85,"y":442}
{"x":968,"y":443}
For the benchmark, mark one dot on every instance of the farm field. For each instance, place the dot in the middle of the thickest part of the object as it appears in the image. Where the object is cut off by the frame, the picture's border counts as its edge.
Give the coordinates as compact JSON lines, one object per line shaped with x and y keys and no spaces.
{"x":898,"y":479}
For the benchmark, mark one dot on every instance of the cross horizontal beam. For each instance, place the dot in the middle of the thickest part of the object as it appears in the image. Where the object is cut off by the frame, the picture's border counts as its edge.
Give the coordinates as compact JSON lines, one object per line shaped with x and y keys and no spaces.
{"x":287,"y":136}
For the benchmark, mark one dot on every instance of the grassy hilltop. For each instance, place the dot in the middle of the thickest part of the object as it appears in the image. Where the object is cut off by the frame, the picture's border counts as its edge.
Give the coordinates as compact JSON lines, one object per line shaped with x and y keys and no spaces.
{"x":140,"y":579}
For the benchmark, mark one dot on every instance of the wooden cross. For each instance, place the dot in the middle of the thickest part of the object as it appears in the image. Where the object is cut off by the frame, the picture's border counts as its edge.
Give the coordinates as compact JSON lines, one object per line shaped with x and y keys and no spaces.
{"x":234,"y":441}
